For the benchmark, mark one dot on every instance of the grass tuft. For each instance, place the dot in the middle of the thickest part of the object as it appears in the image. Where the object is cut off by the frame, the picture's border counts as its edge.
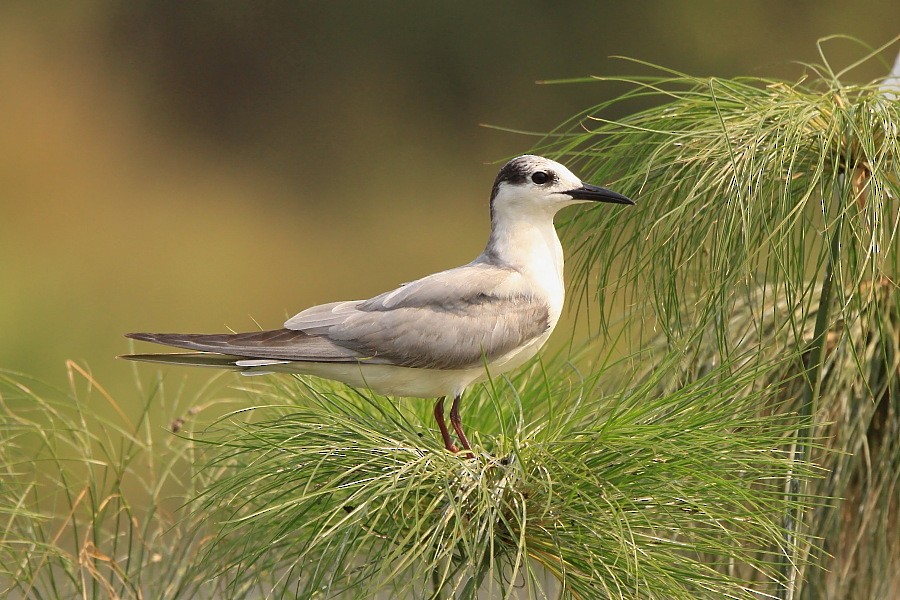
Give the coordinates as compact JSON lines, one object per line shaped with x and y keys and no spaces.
{"x":321,"y":491}
{"x":625,"y":495}
{"x":736,"y":181}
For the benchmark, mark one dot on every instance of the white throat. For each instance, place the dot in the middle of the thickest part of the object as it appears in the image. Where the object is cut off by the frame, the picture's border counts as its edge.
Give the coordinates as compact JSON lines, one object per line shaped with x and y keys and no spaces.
{"x":523,"y":237}
{"x":528,"y":243}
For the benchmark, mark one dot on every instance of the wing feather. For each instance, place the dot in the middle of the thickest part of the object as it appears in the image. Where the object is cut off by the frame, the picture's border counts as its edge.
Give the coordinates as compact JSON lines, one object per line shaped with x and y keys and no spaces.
{"x":450,"y":320}
{"x":277,"y":344}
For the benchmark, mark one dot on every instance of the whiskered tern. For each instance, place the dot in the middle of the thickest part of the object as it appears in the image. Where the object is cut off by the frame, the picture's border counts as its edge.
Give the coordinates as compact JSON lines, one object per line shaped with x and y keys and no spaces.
{"x":433,"y":337}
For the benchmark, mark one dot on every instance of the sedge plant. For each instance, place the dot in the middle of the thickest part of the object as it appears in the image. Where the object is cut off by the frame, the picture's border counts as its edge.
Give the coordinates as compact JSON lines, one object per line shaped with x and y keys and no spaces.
{"x":767,"y":227}
{"x":587,"y":485}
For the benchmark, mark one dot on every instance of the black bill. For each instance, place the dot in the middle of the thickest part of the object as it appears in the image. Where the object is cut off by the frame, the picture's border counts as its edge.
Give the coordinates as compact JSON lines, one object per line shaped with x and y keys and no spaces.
{"x":598,"y":194}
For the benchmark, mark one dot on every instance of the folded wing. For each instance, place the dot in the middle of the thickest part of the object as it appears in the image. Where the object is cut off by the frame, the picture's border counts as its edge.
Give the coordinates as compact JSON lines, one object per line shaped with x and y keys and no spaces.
{"x":451,"y":320}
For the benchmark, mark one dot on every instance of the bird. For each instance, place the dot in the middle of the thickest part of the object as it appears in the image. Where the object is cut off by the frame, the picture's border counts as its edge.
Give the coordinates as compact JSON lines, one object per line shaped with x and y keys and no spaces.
{"x":433,"y":337}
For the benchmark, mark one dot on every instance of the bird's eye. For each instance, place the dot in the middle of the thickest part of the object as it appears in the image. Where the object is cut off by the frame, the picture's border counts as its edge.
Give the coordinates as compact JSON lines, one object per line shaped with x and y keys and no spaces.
{"x":540,"y":177}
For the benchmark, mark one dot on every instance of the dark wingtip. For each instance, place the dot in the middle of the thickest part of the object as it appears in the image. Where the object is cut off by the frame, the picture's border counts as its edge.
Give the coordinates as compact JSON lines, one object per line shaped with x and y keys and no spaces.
{"x":140,"y":336}
{"x":135,"y":357}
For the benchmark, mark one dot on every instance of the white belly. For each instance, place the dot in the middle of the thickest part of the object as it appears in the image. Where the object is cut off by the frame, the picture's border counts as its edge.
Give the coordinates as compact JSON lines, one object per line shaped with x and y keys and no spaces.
{"x":390,"y":380}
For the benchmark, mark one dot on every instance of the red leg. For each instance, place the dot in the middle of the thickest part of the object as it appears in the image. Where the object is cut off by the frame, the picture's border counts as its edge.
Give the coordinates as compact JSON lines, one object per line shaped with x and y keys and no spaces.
{"x":457,"y":425}
{"x":439,"y":417}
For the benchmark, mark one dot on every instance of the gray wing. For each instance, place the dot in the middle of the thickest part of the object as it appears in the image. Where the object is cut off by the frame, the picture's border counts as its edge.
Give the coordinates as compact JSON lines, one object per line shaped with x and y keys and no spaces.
{"x":450,"y":320}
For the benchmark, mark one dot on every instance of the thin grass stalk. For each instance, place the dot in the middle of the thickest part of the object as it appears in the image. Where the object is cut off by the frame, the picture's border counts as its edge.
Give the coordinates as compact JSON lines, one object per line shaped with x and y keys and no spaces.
{"x":470,"y":591}
{"x":807,"y":414}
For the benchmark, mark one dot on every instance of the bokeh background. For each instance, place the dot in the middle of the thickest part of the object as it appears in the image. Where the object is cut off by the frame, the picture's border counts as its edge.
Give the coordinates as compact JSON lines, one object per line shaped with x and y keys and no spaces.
{"x":198,"y":166}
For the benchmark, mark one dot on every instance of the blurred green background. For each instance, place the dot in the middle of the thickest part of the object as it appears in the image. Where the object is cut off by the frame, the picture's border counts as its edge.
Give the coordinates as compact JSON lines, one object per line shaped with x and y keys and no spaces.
{"x":174,"y":166}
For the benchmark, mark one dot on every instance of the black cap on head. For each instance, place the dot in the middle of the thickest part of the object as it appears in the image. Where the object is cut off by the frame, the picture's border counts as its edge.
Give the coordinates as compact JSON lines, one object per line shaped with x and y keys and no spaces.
{"x":515,"y":171}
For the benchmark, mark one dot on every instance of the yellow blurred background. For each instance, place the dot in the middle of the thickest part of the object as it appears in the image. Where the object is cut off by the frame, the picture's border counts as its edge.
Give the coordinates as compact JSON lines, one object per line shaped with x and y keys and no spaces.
{"x":175,"y":166}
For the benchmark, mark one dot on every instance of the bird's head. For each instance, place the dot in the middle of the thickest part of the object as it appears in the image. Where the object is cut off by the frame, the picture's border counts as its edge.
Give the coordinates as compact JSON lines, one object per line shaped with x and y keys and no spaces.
{"x":535,"y":185}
